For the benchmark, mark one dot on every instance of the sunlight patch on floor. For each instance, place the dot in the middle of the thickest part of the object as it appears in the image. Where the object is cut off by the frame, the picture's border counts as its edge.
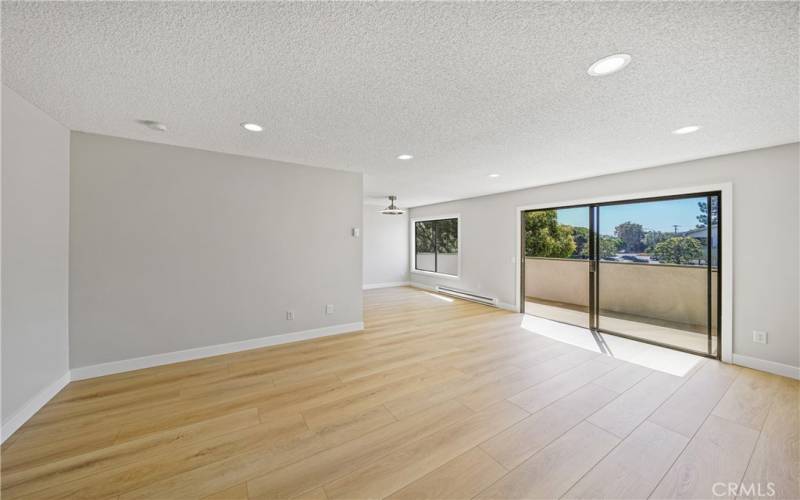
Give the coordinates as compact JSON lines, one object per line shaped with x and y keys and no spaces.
{"x":446,"y":299}
{"x":650,"y":356}
{"x":637,"y":327}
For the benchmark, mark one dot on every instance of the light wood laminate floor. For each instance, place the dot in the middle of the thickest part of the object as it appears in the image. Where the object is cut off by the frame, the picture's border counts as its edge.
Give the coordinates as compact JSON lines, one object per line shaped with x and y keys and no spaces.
{"x":437,"y":398}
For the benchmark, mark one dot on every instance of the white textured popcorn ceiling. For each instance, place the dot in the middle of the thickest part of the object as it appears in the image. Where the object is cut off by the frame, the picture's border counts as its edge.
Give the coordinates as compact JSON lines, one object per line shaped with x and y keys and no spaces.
{"x":468,"y":89}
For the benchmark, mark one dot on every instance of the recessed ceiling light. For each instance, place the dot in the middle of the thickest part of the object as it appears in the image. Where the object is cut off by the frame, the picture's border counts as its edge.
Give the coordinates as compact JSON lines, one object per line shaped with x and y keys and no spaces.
{"x":252,"y":127}
{"x":608,"y":65}
{"x":686,"y":130}
{"x":404,"y":157}
{"x":154,"y":125}
{"x":494,"y":176}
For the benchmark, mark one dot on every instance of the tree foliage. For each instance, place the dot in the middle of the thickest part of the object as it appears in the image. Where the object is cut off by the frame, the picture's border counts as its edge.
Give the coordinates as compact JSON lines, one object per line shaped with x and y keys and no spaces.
{"x":423,"y":237}
{"x":653,"y":238}
{"x":631,"y":235}
{"x":447,"y":235}
{"x":678,"y":250}
{"x":580,"y":235}
{"x":702,"y":219}
{"x":609,"y":245}
{"x":545,"y":237}
{"x":436,"y":235}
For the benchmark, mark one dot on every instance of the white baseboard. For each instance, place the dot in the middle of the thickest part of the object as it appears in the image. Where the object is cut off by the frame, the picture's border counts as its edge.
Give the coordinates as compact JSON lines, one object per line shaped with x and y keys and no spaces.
{"x":167,"y":358}
{"x":385,"y":285}
{"x":767,"y":366}
{"x":32,"y":406}
{"x":125,"y":365}
{"x":508,"y":307}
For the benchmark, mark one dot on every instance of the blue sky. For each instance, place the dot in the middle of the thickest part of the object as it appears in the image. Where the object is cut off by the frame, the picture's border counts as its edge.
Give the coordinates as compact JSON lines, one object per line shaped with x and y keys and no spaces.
{"x":653,"y":215}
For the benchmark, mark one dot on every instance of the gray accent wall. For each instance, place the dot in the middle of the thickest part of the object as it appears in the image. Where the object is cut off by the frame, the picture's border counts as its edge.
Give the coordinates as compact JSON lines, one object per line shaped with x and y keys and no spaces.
{"x":766,"y":219}
{"x":174,"y":248}
{"x":35,"y":244}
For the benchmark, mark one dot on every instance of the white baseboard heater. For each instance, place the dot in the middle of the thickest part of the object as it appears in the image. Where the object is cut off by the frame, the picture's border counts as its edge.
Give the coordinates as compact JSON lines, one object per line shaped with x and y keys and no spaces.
{"x":463,"y":294}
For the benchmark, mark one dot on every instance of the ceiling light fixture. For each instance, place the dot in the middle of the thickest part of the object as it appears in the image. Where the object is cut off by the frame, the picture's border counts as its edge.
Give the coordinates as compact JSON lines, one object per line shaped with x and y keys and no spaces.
{"x":392,"y":209}
{"x":494,"y":176}
{"x":154,"y":125}
{"x":686,"y":130}
{"x":252,"y":127}
{"x":608,"y":65}
{"x":404,"y":157}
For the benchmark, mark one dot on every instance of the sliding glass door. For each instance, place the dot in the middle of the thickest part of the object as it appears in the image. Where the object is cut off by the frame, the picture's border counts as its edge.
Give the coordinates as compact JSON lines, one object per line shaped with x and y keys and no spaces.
{"x":657,"y":275}
{"x":557,"y":264}
{"x":646,"y":269}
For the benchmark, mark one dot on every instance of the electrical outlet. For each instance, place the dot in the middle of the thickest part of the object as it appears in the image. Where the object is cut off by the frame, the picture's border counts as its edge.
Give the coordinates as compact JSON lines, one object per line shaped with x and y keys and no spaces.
{"x":329,"y":309}
{"x":289,"y":315}
{"x":759,"y":337}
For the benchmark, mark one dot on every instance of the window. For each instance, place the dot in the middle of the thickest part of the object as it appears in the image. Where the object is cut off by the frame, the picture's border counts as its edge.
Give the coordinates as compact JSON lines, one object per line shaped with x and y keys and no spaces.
{"x":436,"y":246}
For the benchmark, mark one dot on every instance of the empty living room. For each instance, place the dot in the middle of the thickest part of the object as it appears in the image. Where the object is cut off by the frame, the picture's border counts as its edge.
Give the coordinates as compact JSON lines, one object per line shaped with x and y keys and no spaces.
{"x":401,"y":249}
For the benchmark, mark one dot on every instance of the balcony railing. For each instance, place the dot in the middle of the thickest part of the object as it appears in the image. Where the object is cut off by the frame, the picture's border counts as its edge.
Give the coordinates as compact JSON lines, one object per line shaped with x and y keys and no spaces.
{"x":657,"y":293}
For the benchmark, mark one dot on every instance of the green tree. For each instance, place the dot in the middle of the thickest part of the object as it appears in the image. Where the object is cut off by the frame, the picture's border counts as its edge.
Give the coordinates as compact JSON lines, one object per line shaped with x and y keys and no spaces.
{"x":423,"y":237}
{"x":447,"y":235}
{"x":653,"y":238}
{"x":545,"y":237}
{"x":678,"y":250}
{"x":580,"y":235}
{"x":609,"y":245}
{"x":703,"y":217}
{"x":631,"y":235}
{"x":436,"y":235}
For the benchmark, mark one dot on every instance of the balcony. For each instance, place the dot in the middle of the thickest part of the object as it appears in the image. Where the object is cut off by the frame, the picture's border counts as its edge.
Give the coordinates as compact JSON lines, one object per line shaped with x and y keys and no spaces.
{"x":661,"y":303}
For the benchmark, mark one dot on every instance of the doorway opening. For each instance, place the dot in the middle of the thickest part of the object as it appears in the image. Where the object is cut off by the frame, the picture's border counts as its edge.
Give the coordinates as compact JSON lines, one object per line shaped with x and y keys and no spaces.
{"x":647,"y":269}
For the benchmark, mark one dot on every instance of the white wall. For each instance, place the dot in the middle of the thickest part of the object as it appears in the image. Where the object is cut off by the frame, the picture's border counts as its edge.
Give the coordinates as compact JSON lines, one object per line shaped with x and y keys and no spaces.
{"x":385,"y":247}
{"x":35,"y":244}
{"x":766,"y":267}
{"x":174,"y":248}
